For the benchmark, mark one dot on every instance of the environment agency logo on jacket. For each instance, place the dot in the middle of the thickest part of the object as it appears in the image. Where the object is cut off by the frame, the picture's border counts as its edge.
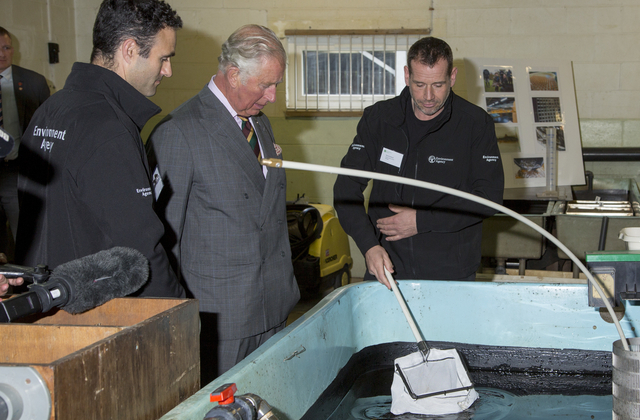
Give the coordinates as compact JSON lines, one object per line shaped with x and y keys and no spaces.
{"x":491,"y":158}
{"x":435,"y":159}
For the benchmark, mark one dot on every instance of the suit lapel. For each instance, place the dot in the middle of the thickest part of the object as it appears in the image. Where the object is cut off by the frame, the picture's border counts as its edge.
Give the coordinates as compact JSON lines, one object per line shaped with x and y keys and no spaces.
{"x":273,"y":180}
{"x":220,"y":125}
{"x":18,"y":84}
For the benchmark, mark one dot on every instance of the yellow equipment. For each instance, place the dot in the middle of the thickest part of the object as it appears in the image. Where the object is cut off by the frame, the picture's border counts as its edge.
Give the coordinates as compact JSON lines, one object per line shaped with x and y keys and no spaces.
{"x":319,"y":248}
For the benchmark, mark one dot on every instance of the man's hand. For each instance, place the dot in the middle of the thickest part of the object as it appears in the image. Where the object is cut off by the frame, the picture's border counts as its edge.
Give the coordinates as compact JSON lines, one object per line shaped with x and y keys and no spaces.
{"x":399,"y":226}
{"x":5,"y":283}
{"x":377,"y":259}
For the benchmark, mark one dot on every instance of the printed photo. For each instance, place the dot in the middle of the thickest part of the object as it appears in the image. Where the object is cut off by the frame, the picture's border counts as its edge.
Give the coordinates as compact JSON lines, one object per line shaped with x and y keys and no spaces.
{"x":541,"y":137}
{"x":497,"y":79}
{"x":543,"y":80}
{"x":532,"y":167}
{"x":508,"y":138}
{"x":502,"y":110}
{"x":547,"y":110}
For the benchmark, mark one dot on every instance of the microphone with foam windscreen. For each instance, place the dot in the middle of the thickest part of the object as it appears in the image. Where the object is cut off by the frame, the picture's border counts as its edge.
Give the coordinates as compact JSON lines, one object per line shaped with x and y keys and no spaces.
{"x":82,"y":284}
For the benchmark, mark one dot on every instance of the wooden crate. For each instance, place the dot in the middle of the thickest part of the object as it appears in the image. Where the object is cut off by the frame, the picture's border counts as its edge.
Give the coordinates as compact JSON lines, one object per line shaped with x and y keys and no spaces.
{"x":130,"y":358}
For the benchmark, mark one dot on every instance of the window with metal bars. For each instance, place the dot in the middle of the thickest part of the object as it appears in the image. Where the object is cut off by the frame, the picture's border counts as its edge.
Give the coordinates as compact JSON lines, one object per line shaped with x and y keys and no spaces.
{"x":343,"y":72}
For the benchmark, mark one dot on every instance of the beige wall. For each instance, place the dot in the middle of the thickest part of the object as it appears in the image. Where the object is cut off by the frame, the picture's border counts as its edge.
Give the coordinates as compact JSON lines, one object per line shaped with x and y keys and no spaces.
{"x":34,"y":23}
{"x":601,"y":39}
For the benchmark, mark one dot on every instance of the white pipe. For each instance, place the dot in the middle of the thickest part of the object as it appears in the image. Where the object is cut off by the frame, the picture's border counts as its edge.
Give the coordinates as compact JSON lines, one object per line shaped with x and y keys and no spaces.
{"x":277,"y":163}
{"x":403,"y":306}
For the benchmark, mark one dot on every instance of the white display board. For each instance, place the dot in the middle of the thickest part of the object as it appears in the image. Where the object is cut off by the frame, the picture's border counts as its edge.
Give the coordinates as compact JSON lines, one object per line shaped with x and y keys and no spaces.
{"x":524,"y":98}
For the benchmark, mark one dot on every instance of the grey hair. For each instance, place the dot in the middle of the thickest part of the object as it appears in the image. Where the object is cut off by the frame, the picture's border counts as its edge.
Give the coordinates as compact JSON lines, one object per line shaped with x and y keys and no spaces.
{"x":248,"y":47}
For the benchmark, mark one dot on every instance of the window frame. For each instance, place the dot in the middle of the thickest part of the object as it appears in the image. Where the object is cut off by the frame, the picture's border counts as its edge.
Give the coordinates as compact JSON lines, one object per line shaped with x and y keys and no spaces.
{"x":332,"y":41}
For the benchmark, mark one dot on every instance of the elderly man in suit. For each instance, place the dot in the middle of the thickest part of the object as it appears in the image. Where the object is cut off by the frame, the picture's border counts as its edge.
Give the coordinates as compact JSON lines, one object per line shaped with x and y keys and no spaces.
{"x":225,"y":213}
{"x":22,"y":92}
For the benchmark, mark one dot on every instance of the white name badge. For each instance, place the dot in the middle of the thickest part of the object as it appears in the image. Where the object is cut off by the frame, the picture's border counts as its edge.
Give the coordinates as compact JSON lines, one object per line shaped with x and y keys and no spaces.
{"x":157,"y":183}
{"x":391,"y":157}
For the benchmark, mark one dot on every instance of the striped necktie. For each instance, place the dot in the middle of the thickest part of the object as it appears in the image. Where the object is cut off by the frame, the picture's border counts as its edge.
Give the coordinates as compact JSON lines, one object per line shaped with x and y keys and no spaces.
{"x":1,"y":120}
{"x":247,"y":130}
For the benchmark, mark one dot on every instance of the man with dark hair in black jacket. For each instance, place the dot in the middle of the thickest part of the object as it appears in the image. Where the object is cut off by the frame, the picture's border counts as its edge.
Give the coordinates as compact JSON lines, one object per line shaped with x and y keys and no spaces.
{"x":430,"y":134}
{"x":86,"y":185}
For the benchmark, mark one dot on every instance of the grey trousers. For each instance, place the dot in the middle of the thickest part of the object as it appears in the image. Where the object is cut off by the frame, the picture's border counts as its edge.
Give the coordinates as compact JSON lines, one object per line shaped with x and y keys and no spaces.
{"x":218,"y":356}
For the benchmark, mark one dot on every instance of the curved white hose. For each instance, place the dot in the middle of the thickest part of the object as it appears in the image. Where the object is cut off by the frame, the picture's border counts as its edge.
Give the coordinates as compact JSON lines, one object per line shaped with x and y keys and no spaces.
{"x":277,"y":163}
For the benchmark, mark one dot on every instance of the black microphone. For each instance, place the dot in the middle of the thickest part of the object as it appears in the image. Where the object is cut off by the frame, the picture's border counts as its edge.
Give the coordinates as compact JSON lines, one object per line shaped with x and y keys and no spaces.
{"x":6,"y":143}
{"x":82,"y":284}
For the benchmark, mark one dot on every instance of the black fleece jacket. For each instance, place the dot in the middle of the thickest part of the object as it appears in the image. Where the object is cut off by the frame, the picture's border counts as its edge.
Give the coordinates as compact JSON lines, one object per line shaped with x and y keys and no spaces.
{"x":84,"y":182}
{"x":459,"y":151}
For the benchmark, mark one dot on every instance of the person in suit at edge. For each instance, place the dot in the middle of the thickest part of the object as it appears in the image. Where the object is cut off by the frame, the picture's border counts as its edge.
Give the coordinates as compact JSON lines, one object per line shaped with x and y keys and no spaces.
{"x":225,"y":213}
{"x":22,"y":92}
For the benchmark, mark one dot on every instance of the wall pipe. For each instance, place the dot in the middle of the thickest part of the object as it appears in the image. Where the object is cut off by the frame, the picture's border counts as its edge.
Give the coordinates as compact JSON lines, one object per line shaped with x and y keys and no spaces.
{"x":611,"y":154}
{"x":278,"y":163}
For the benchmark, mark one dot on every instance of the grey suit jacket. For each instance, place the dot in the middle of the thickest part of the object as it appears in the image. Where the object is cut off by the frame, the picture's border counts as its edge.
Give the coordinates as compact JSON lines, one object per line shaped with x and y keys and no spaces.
{"x":226,"y":223}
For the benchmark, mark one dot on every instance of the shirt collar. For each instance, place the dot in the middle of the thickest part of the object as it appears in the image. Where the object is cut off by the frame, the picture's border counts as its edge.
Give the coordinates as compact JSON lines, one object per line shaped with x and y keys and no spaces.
{"x":7,"y":73}
{"x":223,"y":99}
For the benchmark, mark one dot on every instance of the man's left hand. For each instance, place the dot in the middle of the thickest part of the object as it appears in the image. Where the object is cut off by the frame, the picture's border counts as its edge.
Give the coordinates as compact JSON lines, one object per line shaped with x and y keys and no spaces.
{"x":399,"y":226}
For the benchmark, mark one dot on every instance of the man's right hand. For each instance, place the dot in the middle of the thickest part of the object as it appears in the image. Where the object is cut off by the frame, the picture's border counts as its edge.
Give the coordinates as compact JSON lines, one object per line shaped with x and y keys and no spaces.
{"x":5,"y":283}
{"x":377,"y":259}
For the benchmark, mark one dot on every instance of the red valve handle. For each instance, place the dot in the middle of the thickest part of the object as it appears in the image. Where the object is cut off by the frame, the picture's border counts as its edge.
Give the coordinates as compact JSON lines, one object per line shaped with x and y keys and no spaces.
{"x":224,"y":394}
